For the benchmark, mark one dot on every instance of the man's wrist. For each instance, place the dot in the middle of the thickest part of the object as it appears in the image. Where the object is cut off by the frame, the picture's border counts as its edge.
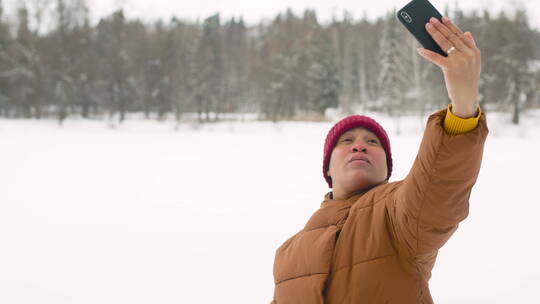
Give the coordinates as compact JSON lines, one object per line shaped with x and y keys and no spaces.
{"x":465,"y":111}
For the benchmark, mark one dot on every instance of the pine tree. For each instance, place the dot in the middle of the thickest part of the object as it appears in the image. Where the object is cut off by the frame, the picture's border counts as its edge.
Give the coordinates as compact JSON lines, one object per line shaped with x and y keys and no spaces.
{"x":389,"y":78}
{"x":324,"y":74}
{"x":4,"y":43}
{"x":210,"y":65}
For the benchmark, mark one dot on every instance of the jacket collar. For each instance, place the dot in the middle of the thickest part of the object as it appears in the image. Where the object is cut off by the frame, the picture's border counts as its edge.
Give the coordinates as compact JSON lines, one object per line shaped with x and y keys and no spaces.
{"x":335,"y":212}
{"x":328,"y":197}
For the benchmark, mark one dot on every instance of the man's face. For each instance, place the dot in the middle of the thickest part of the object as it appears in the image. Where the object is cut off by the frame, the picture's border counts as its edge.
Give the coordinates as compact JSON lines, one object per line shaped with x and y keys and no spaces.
{"x":347,"y":170}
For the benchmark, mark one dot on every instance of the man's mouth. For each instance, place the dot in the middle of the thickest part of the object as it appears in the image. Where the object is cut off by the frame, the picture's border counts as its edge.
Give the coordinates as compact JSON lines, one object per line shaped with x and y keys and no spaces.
{"x":359,"y":159}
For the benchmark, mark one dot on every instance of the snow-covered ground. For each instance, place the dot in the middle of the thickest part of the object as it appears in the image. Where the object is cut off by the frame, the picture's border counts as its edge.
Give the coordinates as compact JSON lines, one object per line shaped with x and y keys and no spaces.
{"x":146,"y":214}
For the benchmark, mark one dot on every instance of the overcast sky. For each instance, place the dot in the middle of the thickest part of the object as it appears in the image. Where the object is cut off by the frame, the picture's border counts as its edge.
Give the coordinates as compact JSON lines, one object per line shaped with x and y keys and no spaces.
{"x":254,"y":11}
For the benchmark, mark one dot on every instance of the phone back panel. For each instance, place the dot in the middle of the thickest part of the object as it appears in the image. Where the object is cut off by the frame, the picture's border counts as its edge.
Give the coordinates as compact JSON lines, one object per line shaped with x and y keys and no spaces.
{"x":414,"y":17}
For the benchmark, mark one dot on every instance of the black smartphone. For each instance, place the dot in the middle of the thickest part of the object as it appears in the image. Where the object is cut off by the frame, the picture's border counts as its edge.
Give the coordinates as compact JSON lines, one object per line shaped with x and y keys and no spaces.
{"x":414,"y":17}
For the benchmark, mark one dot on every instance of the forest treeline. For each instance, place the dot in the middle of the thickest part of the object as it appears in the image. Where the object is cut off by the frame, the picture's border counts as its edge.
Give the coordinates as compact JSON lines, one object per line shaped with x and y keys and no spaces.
{"x":292,"y":67}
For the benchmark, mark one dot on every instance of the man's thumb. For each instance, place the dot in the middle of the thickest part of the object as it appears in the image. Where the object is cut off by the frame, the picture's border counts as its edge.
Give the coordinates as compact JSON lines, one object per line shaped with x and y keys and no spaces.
{"x":430,"y":56}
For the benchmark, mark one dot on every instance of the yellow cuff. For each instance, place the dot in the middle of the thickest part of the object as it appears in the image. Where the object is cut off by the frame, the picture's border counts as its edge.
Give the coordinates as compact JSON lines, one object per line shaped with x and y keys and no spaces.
{"x":456,"y":125}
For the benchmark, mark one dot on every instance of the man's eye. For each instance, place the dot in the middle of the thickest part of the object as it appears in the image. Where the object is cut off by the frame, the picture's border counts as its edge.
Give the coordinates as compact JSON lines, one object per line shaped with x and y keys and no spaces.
{"x":346,"y":139}
{"x":373,"y":140}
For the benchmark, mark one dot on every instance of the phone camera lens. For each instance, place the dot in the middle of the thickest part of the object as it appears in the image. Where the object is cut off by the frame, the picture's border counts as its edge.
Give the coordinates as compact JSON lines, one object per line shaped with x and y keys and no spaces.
{"x":406,"y":17}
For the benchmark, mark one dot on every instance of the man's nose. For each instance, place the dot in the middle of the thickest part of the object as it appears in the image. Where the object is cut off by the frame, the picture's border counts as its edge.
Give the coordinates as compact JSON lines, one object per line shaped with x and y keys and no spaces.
{"x":359,"y":147}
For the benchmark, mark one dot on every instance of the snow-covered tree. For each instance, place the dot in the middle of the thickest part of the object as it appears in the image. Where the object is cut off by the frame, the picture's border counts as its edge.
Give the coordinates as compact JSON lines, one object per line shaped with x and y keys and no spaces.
{"x":323,"y":73}
{"x":390,"y":79}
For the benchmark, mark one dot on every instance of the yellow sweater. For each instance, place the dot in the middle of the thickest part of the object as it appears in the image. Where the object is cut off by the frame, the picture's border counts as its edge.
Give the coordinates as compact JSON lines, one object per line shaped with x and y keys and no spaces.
{"x":456,"y":125}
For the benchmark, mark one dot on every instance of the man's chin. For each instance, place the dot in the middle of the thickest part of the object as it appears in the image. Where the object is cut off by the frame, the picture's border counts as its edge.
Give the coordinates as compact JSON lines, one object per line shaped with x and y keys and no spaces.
{"x":359,"y":173}
{"x":360,"y":179}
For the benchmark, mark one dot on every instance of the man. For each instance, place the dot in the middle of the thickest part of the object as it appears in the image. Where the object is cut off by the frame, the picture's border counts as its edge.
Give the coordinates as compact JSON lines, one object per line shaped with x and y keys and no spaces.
{"x":376,"y":242}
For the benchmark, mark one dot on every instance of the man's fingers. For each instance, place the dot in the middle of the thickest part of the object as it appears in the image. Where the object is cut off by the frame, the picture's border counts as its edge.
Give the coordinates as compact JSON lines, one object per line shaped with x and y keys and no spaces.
{"x":449,"y":36}
{"x":439,"y":37}
{"x":451,"y":25}
{"x":471,"y":37}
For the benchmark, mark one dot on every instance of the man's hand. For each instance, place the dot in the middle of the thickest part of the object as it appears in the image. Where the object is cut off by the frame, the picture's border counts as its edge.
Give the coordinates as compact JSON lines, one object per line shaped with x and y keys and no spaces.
{"x":461,"y":68}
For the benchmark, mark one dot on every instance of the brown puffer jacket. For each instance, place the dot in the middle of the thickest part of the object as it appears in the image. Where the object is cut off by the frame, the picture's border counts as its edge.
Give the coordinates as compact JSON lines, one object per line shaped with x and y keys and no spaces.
{"x":380,"y":245}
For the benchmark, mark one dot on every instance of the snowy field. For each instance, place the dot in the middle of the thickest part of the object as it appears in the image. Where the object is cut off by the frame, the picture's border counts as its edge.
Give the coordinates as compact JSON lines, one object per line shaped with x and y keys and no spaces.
{"x":144,"y":213}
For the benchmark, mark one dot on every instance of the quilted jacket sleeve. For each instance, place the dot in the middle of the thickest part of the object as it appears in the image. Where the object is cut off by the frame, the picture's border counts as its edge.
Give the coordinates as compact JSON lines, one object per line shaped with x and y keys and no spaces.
{"x":426,"y":207}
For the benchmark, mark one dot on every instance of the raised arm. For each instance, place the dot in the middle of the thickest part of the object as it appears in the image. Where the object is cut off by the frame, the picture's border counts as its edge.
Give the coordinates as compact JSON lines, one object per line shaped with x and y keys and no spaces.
{"x":425,"y":209}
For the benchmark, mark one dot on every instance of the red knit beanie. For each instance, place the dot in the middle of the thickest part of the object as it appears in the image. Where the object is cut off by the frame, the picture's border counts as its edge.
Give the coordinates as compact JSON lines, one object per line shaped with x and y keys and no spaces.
{"x":351,"y":122}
